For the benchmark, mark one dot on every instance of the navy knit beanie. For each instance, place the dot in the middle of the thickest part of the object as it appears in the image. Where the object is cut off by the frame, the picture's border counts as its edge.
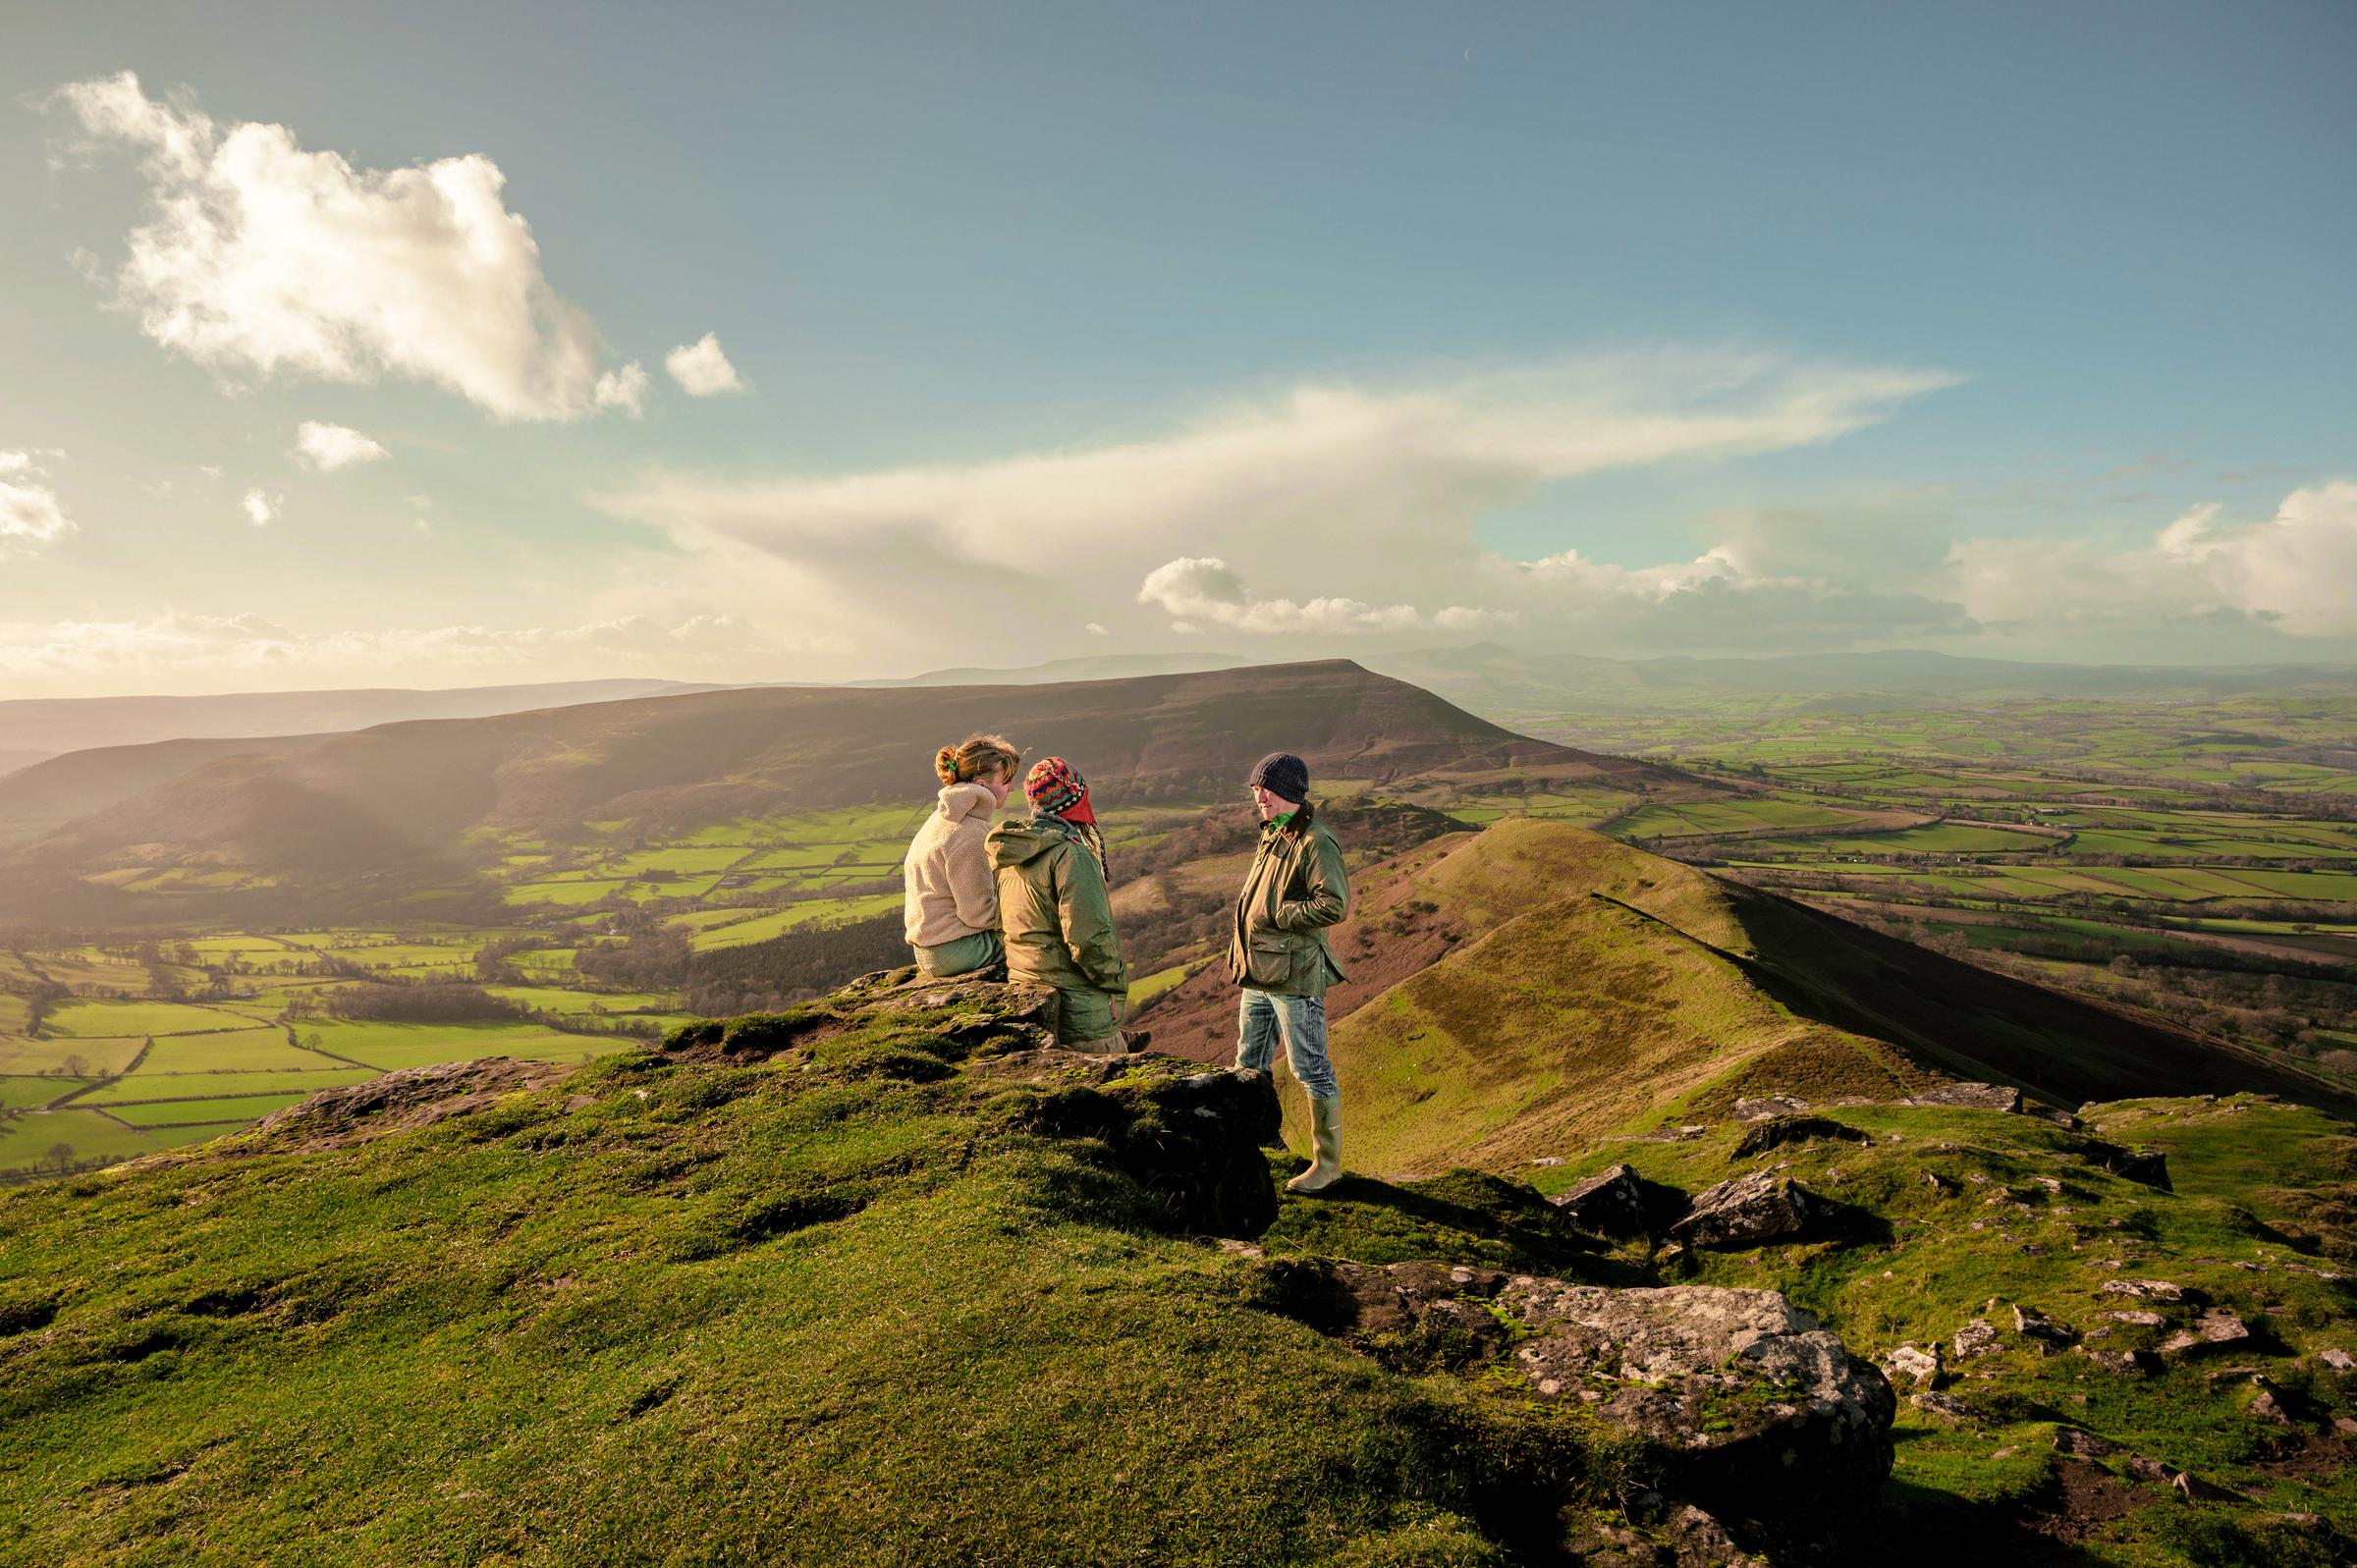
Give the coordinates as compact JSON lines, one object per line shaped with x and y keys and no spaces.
{"x":1283,"y":775}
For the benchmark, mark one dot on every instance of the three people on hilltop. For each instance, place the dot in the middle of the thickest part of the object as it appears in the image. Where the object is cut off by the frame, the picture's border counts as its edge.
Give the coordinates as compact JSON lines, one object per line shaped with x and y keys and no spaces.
{"x":1032,"y":894}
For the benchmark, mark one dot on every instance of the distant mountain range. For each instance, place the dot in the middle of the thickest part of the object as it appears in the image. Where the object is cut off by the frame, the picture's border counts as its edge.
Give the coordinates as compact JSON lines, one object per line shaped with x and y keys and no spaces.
{"x":35,"y":728}
{"x":370,"y":816}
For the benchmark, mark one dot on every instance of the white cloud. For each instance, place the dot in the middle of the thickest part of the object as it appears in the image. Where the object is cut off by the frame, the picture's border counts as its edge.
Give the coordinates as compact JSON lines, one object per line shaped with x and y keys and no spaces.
{"x":30,"y":514}
{"x":260,"y":259}
{"x":2295,"y":572}
{"x":327,"y":448}
{"x":623,"y":388}
{"x":261,"y":509}
{"x":701,"y":370}
{"x":1096,"y":630}
{"x":1382,"y":487}
{"x":210,"y":471}
{"x":1202,"y":588}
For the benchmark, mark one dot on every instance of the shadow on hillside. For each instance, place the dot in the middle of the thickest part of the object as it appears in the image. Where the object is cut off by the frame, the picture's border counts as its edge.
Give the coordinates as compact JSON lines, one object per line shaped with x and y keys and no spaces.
{"x":1934,"y":1529}
{"x":1468,"y":1215}
{"x":1967,"y":1022}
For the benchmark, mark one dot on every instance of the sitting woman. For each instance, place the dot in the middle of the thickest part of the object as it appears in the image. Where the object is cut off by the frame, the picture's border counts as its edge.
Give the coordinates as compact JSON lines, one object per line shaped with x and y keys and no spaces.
{"x":1056,"y":911}
{"x":951,"y":912}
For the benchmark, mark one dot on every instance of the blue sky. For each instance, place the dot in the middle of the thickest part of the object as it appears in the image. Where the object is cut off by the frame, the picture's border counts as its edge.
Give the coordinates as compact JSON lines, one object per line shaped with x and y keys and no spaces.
{"x":2010,"y":330}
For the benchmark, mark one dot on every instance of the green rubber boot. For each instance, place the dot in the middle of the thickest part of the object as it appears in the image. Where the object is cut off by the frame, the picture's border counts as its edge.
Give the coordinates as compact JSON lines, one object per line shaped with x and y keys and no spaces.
{"x":1326,"y":1131}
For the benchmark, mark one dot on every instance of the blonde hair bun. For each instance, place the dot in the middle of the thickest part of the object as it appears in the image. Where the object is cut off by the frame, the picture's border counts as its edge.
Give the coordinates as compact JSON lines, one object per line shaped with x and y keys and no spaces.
{"x":975,"y":756}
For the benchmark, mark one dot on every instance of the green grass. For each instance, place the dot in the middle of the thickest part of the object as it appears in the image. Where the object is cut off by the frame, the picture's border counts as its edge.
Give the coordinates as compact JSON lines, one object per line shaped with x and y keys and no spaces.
{"x":102,"y":1019}
{"x":477,"y":1343}
{"x":763,"y":926}
{"x":36,"y":1056}
{"x":208,"y":1111}
{"x":387,"y":1045}
{"x":262,"y":1050}
{"x":145,"y":1085}
{"x":25,"y":1141}
{"x":23,"y":1094}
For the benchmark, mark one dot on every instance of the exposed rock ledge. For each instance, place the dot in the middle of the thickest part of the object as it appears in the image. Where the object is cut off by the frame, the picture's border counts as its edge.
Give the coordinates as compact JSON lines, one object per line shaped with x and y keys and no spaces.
{"x":1749,"y":1407}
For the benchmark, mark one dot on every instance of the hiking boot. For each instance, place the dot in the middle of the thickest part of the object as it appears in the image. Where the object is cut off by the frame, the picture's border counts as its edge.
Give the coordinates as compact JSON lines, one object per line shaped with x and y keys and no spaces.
{"x":1134,"y":1041}
{"x":1326,"y":1133}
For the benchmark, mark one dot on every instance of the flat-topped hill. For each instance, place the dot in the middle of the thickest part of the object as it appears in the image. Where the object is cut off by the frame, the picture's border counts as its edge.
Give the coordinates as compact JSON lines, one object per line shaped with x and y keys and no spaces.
{"x":384,"y":810}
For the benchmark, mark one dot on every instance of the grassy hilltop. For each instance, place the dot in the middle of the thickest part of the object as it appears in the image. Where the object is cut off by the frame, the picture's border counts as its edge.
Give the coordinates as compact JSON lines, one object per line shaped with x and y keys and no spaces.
{"x":853,"y":1285}
{"x":1518,"y":991}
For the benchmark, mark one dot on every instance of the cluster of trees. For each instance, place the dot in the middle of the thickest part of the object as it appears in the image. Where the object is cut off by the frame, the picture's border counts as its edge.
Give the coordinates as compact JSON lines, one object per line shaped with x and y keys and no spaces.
{"x":763,"y":975}
{"x":419,"y":1001}
{"x":646,"y":955}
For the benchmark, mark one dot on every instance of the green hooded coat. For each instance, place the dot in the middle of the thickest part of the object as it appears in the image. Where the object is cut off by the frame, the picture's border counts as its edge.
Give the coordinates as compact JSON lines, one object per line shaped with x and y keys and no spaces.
{"x":1296,"y":888}
{"x":1053,"y":908}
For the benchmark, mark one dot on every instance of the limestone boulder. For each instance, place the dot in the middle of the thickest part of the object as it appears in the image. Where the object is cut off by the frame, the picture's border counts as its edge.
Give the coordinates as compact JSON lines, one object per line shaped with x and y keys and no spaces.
{"x":1622,"y":1203}
{"x":1756,"y":1414}
{"x":1970,"y":1096}
{"x":1754,"y":1209}
{"x":1777,"y":1131}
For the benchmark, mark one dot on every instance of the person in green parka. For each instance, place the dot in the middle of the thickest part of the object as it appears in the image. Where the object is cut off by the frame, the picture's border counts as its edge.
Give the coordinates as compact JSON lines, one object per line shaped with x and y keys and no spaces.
{"x":1054,"y":911}
{"x":1279,"y":956}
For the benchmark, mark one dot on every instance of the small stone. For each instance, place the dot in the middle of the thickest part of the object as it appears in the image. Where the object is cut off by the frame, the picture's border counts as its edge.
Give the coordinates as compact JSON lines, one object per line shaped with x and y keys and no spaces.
{"x":2216,"y":1327}
{"x":1933,"y":1182}
{"x":1948,"y":1405}
{"x":2344,"y":1426}
{"x":2143,"y":1290}
{"x":1548,"y":1160}
{"x":2005,"y":1453}
{"x":2086,"y":1444}
{"x":1971,"y":1096}
{"x":2032,"y":1324}
{"x":2120,"y":1363}
{"x":2265,"y":1407}
{"x":2150,"y":1320}
{"x":2338,"y":1360}
{"x":1913,"y":1361}
{"x":1976,"y":1338}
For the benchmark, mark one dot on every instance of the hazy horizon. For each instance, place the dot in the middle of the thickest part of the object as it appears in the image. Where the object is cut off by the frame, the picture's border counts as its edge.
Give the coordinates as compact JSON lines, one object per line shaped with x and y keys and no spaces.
{"x":818,"y":345}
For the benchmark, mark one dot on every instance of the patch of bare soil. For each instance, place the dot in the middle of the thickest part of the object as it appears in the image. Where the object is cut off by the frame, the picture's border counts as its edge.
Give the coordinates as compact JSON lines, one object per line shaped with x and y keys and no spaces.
{"x":1384,"y":942}
{"x":2082,"y":1502}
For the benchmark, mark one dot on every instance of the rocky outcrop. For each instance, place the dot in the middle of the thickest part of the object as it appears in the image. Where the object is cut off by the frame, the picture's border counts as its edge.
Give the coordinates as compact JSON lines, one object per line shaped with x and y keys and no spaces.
{"x":1749,"y":1211}
{"x":414,"y":1097}
{"x":967,"y":1016}
{"x":1777,"y":1131}
{"x":1970,"y":1096}
{"x":1620,"y":1204}
{"x":2146,"y":1165}
{"x":1750,"y":1408}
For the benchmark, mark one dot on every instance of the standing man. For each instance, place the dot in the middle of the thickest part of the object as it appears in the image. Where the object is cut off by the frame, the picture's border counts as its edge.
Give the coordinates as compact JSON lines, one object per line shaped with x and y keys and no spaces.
{"x":1278,"y":953}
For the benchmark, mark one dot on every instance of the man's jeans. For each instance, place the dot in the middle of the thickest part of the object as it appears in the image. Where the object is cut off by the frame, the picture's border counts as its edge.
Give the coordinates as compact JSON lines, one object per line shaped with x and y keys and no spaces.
{"x":1262,"y":1018}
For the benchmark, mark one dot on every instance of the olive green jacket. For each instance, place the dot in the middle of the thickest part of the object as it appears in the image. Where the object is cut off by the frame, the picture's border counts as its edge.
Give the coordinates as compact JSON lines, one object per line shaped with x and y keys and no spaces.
{"x":1053,"y":908}
{"x":1296,"y":888}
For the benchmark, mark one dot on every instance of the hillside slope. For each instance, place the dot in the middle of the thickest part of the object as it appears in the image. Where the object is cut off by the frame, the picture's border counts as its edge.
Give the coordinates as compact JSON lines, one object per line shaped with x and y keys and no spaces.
{"x":391,"y":806}
{"x":59,"y":790}
{"x":1520,"y":990}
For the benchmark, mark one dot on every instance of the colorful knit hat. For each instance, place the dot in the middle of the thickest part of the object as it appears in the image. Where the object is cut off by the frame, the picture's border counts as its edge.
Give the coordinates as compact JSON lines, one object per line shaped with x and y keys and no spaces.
{"x":1056,"y":789}
{"x":1055,"y":786}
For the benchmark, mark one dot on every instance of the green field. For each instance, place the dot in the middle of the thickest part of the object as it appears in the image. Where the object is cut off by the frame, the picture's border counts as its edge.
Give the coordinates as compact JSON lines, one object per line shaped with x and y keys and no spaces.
{"x":101,"y":1019}
{"x":387,"y":1045}
{"x":233,"y":1108}
{"x":146,"y":1085}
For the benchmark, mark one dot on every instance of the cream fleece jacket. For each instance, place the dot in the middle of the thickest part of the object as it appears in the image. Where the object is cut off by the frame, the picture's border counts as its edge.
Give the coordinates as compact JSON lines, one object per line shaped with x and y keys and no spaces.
{"x":951,"y":890}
